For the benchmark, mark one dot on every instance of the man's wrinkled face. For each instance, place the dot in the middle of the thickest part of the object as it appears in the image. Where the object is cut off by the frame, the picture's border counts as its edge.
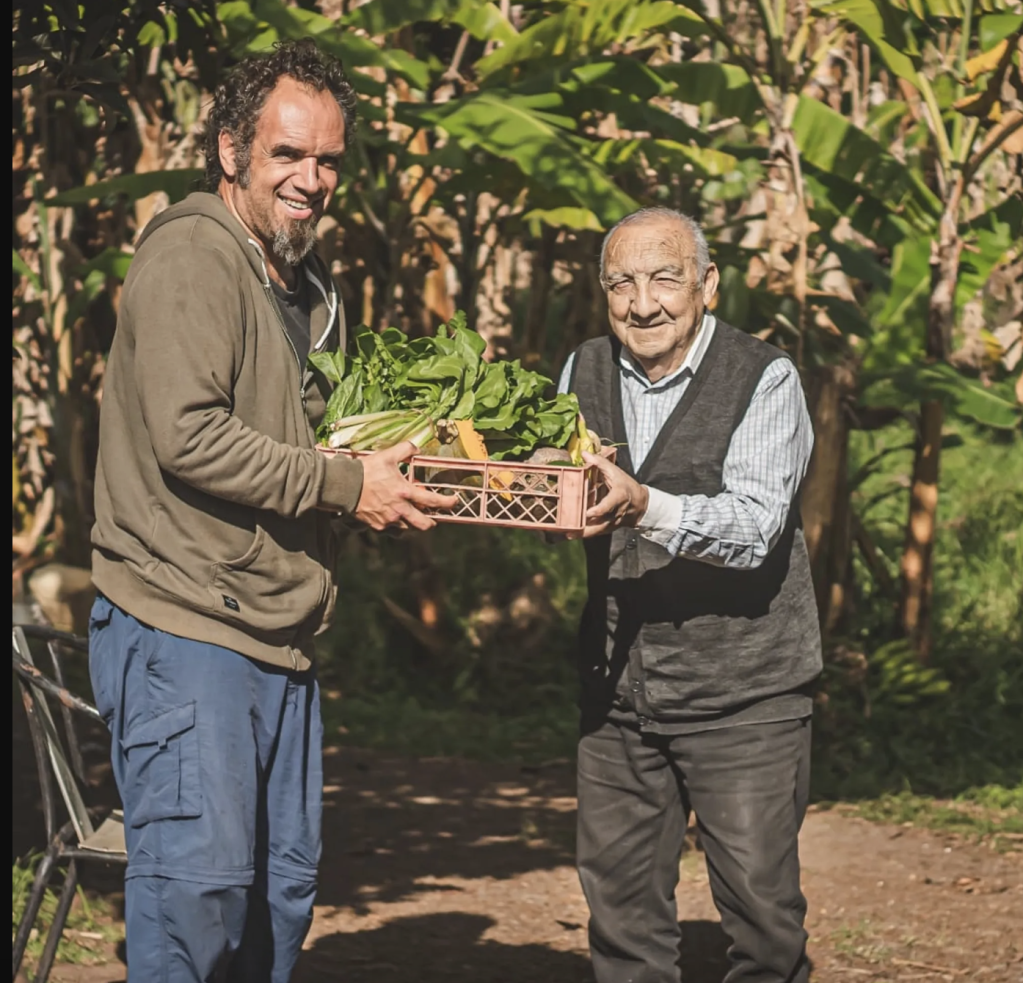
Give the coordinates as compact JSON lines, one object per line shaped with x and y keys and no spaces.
{"x":283,"y":183}
{"x":655,"y":298}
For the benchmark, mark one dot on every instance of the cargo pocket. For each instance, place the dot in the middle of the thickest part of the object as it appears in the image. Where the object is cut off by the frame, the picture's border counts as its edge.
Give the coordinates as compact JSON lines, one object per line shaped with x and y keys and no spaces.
{"x":162,"y":775}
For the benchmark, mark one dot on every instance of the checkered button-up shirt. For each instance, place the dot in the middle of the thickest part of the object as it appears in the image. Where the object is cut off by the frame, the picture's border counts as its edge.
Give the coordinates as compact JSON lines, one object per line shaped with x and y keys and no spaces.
{"x":765,"y":464}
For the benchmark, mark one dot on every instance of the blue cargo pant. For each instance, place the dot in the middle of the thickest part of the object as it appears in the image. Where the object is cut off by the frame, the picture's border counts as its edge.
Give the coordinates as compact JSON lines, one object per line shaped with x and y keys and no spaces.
{"x":218,"y":762}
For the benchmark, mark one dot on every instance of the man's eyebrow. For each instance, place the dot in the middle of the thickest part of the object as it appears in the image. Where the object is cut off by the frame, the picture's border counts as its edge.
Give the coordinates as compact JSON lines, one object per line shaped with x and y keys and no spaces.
{"x":286,"y":150}
{"x":622,"y":275}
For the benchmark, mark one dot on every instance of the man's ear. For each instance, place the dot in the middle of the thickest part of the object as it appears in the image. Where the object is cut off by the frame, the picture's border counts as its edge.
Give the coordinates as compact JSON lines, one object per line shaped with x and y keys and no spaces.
{"x":226,"y":149}
{"x":710,"y":284}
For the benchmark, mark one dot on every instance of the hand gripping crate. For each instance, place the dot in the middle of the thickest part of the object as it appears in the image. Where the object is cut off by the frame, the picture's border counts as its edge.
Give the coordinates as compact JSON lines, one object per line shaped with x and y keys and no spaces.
{"x":549,"y":498}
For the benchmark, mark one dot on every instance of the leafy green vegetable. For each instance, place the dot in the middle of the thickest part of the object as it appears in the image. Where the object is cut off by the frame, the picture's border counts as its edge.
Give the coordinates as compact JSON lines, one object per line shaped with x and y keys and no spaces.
{"x":446,"y":377}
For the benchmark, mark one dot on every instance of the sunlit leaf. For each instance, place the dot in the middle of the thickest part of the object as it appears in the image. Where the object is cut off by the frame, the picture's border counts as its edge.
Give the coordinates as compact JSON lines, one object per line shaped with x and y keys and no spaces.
{"x":23,"y":269}
{"x":908,"y":385}
{"x":882,"y":24}
{"x":989,"y":237}
{"x":175,"y":184}
{"x":510,"y":128}
{"x":832,"y":143}
{"x":997,"y":27}
{"x":727,"y":87}
{"x":986,"y":61}
{"x":565,"y":217}
{"x":349,"y":47}
{"x":111,"y":263}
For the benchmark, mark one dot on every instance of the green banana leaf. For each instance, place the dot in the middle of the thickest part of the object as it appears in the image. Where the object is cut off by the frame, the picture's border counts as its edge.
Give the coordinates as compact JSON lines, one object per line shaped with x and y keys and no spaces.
{"x":484,"y":21}
{"x":832,"y":144}
{"x":907,"y":386}
{"x":883,"y":25}
{"x":727,"y":87}
{"x":510,"y":127}
{"x":176,"y":184}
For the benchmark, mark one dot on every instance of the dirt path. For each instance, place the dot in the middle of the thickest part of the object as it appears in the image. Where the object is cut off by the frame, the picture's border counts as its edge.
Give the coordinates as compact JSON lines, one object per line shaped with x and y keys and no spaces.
{"x":440,"y":870}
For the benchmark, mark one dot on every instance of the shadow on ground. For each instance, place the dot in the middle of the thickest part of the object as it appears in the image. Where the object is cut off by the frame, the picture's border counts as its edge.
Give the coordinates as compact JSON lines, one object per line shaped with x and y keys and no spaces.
{"x":390,"y":823}
{"x":394,"y":828}
{"x":450,"y":948}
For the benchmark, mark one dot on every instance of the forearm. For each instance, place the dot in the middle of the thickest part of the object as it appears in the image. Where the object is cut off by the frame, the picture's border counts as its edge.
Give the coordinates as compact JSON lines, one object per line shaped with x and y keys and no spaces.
{"x":766,"y":461}
{"x":214,"y":451}
{"x":728,"y":530}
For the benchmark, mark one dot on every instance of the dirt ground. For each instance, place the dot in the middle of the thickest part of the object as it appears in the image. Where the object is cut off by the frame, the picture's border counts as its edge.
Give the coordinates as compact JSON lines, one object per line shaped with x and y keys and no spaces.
{"x":461,"y":872}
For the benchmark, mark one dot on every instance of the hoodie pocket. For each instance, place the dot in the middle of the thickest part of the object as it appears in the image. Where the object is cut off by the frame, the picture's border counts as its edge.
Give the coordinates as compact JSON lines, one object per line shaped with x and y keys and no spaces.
{"x":268,"y":588}
{"x":162,"y":767}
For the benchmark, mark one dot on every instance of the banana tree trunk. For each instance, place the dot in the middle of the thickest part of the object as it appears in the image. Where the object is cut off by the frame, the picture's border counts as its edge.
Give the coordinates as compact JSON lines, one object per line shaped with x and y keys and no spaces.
{"x":825,"y":496}
{"x":918,"y":551}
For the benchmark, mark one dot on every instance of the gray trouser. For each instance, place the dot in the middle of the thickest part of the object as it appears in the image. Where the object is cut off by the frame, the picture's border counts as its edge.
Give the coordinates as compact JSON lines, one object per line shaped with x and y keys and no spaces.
{"x":749,"y":786}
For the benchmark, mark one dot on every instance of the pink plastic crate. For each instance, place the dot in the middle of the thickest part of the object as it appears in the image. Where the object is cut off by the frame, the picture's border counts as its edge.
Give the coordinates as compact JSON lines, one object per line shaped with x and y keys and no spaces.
{"x":506,"y":493}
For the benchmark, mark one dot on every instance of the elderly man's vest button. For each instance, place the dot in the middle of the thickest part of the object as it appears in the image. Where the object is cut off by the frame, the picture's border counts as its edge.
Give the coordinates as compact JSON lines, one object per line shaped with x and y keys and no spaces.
{"x":631,"y":540}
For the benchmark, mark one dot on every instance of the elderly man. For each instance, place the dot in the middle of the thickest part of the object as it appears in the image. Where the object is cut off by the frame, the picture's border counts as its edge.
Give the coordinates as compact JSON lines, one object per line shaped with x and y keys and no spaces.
{"x":213,"y":551}
{"x":699,"y":640}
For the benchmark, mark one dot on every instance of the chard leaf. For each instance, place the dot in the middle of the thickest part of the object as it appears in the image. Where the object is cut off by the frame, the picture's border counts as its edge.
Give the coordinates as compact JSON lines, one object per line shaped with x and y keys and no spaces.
{"x":331,"y":364}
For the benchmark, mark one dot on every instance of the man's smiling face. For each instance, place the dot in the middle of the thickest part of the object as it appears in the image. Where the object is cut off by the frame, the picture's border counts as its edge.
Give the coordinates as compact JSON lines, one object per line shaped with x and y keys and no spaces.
{"x":281,"y":187}
{"x":655,"y":297}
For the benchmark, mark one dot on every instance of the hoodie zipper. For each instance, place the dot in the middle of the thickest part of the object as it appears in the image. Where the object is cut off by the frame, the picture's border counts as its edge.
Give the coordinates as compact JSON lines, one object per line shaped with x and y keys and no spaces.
{"x":268,"y":290}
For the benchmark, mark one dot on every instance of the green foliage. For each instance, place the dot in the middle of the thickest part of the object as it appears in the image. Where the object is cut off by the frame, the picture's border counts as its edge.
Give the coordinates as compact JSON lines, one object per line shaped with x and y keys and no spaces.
{"x":841,"y":150}
{"x":886,"y":725}
{"x":529,"y":131}
{"x":445,"y":377}
{"x":498,"y":669}
{"x":87,"y":925}
{"x":22,"y":268}
{"x":991,"y":405}
{"x":175,"y":184}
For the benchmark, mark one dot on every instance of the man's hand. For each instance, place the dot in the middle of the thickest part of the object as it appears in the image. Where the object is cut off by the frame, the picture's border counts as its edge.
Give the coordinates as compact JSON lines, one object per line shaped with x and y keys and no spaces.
{"x":389,"y":499}
{"x":624,"y":504}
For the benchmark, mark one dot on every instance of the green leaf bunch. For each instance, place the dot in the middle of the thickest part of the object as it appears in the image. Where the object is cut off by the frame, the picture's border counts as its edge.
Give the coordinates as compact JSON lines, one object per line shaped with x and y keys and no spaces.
{"x":446,"y":377}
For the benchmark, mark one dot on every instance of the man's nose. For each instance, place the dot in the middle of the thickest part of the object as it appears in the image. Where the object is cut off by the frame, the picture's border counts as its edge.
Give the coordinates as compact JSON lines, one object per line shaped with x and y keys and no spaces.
{"x":307,"y":177}
{"x":644,"y":304}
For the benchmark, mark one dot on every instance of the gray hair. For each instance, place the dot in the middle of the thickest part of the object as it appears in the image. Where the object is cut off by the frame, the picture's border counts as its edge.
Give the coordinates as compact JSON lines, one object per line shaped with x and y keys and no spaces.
{"x":659,"y":211}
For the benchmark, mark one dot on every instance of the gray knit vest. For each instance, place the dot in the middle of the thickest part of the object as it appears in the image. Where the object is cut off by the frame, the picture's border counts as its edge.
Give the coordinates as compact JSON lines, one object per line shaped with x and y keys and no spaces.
{"x":680,"y":644}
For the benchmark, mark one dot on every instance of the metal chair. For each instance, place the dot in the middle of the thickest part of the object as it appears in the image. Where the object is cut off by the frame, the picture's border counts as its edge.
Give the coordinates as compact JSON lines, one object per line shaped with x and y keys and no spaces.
{"x":59,"y":760}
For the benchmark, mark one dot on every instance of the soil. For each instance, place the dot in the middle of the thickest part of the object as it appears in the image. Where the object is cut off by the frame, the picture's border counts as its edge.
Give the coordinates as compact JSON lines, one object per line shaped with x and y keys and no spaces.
{"x":447,"y":870}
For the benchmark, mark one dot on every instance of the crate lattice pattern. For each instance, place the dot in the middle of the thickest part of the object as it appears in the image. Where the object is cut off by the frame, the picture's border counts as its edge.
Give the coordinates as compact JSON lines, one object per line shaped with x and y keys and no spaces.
{"x":496,"y":493}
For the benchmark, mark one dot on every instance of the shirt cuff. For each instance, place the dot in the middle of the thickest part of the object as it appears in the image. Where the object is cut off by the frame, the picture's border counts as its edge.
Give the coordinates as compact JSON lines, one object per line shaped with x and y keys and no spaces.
{"x":660,"y":523}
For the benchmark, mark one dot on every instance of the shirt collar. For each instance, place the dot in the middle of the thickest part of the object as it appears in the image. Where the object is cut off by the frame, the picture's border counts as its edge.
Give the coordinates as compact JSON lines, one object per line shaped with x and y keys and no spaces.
{"x":689,"y":365}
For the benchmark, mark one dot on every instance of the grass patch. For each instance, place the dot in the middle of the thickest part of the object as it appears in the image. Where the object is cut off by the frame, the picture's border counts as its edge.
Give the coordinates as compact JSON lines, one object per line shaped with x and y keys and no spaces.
{"x":992,"y":814}
{"x":860,"y":942}
{"x":86,"y":932}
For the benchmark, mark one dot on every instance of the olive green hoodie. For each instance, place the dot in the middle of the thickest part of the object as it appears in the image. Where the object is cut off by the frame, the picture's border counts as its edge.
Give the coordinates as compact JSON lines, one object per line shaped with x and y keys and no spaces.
{"x":212,"y":508}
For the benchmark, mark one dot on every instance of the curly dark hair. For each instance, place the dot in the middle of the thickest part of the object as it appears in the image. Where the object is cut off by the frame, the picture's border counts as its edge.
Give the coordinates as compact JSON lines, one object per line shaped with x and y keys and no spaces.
{"x":239,"y":99}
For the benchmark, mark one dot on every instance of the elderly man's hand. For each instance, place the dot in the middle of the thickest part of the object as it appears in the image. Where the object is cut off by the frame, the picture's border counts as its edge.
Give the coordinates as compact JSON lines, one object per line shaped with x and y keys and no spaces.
{"x":624,"y":504}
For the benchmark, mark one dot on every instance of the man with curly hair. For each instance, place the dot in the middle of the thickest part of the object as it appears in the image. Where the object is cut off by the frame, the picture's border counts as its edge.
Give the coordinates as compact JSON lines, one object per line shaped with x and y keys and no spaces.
{"x":213,"y":548}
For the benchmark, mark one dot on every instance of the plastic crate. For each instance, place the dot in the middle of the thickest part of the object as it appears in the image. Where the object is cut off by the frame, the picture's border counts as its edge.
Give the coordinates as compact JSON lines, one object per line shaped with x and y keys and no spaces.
{"x":514,"y":495}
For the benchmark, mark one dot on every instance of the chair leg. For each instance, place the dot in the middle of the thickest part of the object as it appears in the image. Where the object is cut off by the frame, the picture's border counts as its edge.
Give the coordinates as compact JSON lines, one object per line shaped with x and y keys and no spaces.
{"x":67,"y":896}
{"x":35,"y":899}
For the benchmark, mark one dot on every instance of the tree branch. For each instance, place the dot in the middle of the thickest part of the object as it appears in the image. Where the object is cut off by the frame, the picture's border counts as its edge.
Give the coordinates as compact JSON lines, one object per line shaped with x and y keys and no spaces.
{"x":996,"y":136}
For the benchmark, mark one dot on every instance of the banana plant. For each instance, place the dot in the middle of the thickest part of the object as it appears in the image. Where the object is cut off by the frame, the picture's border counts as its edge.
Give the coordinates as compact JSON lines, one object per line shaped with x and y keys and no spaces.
{"x":958,"y":68}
